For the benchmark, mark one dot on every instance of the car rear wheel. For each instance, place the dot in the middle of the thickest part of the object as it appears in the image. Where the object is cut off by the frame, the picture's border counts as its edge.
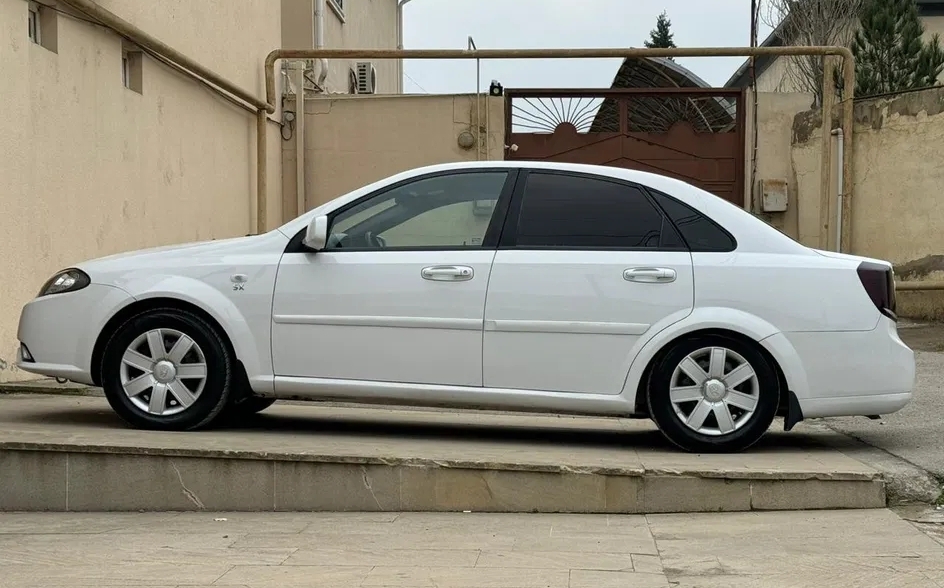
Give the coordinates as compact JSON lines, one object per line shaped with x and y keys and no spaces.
{"x":167,"y":369}
{"x":713,"y":394}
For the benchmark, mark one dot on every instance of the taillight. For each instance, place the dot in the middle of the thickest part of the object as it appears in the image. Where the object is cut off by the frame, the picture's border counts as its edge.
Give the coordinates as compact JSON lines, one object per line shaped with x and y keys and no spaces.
{"x":879,"y":283}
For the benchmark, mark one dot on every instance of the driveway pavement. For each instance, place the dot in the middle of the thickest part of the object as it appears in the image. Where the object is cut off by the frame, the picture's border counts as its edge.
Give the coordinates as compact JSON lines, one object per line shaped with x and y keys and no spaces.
{"x":839,"y":549}
{"x":916,"y":433}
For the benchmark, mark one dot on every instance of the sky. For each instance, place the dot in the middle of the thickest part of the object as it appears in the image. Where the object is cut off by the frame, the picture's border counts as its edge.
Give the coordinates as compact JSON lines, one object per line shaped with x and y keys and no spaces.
{"x":545,"y":24}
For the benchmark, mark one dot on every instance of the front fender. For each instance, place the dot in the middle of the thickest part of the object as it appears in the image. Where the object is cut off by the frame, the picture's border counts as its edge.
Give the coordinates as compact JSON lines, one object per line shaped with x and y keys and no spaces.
{"x":247,"y":324}
{"x":728,"y":319}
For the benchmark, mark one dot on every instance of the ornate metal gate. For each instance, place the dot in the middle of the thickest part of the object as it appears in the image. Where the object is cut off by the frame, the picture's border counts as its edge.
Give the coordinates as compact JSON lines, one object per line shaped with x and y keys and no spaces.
{"x":692,"y":134}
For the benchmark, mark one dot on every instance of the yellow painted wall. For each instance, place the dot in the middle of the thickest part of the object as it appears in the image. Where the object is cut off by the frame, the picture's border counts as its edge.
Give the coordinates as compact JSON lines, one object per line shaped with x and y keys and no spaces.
{"x":355,"y":140}
{"x":89,"y":167}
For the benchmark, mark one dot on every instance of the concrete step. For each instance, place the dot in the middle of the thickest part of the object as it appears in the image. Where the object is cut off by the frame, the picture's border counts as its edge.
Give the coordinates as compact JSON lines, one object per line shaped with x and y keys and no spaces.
{"x":72,"y":453}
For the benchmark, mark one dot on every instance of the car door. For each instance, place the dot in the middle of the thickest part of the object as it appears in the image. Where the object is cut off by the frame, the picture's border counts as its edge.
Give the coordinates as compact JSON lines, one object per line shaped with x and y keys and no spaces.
{"x":398,"y":294}
{"x":587,"y":265}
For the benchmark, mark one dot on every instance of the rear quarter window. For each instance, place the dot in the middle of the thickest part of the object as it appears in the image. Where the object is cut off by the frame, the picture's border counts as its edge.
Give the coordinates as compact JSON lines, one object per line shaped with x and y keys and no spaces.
{"x":700,"y":232}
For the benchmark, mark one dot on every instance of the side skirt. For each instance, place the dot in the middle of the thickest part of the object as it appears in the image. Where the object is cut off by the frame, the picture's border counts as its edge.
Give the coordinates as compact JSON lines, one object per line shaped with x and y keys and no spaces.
{"x":458,"y":397}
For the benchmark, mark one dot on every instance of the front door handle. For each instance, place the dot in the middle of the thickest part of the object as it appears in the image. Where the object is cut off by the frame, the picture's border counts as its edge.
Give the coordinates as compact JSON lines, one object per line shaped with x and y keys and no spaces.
{"x":650,"y":275}
{"x":447,"y":273}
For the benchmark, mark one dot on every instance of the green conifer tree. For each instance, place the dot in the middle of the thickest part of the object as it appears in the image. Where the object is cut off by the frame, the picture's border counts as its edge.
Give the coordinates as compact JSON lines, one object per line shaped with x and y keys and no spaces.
{"x":661,"y":36}
{"x":890,"y":53}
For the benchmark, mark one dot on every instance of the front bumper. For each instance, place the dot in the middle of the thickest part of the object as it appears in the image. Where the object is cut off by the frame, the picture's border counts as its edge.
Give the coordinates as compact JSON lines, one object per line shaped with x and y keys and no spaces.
{"x":60,"y":331}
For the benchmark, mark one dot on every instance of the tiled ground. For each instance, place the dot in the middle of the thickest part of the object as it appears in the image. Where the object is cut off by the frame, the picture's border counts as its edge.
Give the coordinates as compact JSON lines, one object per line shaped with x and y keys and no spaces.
{"x":838,"y":549}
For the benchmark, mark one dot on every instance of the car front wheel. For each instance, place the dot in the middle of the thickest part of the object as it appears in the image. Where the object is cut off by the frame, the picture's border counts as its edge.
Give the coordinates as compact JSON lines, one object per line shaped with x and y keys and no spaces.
{"x":167,"y":369}
{"x":713,"y":394}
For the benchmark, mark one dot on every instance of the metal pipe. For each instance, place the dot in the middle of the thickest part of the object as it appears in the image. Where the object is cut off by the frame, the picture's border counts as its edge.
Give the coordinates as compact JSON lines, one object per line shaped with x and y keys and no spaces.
{"x":848,"y":120}
{"x":136,"y":35}
{"x":320,"y":40}
{"x":918,"y":286}
{"x":277,"y":54}
{"x":400,"y":6}
{"x":844,"y":52}
{"x":488,"y":126}
{"x":298,"y":77}
{"x":829,"y":93}
{"x":261,"y":156}
{"x":839,"y":188}
{"x":478,"y":101}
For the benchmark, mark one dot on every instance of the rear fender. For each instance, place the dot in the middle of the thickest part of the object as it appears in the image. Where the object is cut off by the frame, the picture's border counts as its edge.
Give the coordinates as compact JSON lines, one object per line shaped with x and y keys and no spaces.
{"x":727,"y":319}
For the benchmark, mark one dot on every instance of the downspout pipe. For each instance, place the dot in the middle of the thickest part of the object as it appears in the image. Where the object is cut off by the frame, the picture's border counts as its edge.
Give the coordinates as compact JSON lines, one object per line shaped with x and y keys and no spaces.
{"x":400,"y":6}
{"x":848,"y":120}
{"x":319,"y":43}
{"x":828,"y":98}
{"x":840,"y":136}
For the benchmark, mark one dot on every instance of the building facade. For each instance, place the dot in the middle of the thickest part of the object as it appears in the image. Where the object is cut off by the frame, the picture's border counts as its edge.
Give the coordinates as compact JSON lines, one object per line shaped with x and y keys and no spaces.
{"x":345,"y":24}
{"x":777,"y":74}
{"x":107,"y":147}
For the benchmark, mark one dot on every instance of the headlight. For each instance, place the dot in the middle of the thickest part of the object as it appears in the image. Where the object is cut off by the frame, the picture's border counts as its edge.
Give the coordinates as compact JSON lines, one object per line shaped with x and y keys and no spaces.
{"x":68,"y":280}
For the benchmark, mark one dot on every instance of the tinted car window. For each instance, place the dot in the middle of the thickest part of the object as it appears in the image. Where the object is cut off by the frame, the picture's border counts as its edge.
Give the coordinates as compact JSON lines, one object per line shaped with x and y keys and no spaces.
{"x":699,"y":232}
{"x":572,"y":211}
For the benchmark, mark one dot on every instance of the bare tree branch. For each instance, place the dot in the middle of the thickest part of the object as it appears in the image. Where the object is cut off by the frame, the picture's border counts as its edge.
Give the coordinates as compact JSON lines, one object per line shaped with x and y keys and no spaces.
{"x":809,"y":23}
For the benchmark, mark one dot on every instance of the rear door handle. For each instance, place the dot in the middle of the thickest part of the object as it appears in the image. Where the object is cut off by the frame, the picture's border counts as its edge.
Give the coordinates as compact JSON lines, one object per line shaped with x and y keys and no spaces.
{"x":650,"y":275}
{"x":447,"y":273}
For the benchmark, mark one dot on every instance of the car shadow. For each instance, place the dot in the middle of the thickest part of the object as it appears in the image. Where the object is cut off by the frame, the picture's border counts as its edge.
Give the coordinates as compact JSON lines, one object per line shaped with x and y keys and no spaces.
{"x":395,"y":426}
{"x":453,"y":430}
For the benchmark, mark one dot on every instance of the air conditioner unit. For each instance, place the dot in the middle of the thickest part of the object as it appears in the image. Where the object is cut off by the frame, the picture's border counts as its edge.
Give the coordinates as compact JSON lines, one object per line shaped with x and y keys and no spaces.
{"x":366,"y":75}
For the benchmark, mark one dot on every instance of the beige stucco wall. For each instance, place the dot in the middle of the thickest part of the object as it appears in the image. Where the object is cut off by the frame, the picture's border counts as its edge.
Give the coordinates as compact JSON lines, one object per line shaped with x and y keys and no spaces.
{"x":775,"y":114}
{"x":365,"y":24}
{"x":896,"y":212}
{"x":89,"y":167}
{"x":354,"y":140}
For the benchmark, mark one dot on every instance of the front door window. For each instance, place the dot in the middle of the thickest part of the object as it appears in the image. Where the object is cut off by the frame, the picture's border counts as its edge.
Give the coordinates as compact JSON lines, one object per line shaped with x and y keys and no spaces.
{"x":440,"y":212}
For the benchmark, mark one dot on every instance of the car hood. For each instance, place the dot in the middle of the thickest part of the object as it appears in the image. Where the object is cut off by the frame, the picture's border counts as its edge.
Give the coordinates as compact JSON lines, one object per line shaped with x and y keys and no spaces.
{"x":168,"y":256}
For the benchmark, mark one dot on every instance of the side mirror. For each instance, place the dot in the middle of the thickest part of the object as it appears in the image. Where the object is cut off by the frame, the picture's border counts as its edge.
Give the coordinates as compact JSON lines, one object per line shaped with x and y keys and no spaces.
{"x":317,"y":234}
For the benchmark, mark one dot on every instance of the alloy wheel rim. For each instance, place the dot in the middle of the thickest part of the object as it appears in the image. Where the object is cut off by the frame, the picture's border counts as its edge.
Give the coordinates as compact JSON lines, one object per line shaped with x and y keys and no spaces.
{"x":163,"y":372}
{"x":714,"y":391}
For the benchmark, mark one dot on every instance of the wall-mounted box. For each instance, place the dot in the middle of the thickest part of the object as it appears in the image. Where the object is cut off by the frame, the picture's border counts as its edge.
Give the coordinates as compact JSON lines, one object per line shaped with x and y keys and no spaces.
{"x":774,"y":195}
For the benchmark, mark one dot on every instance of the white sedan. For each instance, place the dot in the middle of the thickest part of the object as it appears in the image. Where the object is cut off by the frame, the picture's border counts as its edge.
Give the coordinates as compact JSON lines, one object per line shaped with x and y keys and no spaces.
{"x":500,"y":285}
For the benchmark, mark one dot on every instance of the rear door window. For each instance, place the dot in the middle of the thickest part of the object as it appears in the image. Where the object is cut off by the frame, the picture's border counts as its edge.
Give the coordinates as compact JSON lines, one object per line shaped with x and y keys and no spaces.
{"x":579,"y":212}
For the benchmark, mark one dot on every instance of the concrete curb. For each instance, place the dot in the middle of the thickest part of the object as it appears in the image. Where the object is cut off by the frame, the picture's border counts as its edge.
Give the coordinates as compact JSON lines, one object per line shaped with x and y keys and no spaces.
{"x":320,"y":481}
{"x":69,"y":478}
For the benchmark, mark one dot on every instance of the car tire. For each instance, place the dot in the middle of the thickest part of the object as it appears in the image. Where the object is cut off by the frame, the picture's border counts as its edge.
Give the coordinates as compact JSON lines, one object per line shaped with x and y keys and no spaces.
{"x":729,"y":410}
{"x":167,"y":369}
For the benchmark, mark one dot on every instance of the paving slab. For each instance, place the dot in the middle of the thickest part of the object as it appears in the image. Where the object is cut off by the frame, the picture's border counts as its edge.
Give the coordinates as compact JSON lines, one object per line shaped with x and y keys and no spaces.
{"x":839,"y":549}
{"x":314,"y":457}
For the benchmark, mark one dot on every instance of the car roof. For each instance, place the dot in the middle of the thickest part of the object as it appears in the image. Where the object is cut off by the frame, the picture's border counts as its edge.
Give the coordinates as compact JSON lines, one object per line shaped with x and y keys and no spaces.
{"x":602,"y":170}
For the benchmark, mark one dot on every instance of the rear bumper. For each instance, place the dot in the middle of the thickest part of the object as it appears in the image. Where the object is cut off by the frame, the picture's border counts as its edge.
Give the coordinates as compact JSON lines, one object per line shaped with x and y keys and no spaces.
{"x":60,"y":331}
{"x":877,"y":404}
{"x":854,"y":373}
